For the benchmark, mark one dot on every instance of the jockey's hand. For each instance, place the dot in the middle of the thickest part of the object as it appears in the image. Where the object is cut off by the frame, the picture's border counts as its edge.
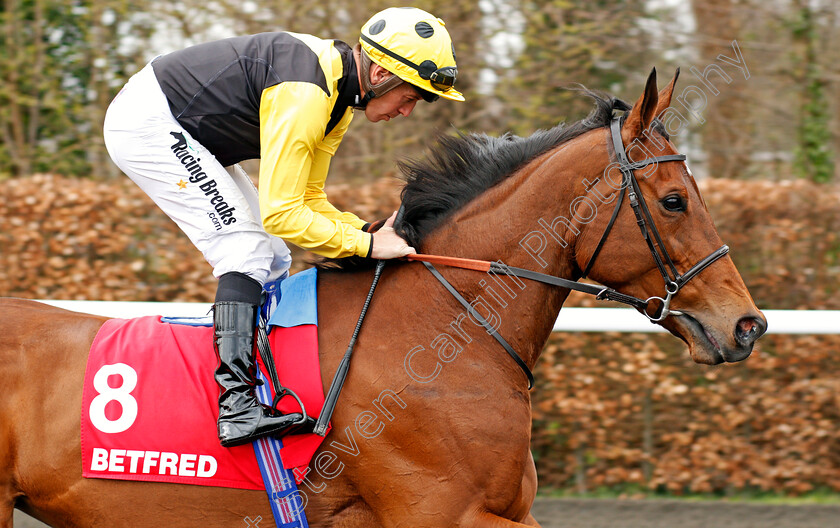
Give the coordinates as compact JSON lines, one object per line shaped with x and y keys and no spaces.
{"x":387,"y":244}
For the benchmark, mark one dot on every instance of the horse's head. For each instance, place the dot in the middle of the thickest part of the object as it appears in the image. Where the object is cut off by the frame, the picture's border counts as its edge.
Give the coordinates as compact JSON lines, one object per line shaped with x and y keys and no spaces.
{"x":710,"y":307}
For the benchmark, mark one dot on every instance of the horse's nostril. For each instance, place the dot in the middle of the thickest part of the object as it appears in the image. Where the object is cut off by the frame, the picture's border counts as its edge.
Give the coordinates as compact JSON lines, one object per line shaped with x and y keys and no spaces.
{"x":747,"y":326}
{"x":749,"y":329}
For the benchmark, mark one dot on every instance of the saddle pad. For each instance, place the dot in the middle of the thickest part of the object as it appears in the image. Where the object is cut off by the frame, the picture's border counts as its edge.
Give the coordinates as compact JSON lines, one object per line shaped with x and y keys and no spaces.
{"x":150,"y":403}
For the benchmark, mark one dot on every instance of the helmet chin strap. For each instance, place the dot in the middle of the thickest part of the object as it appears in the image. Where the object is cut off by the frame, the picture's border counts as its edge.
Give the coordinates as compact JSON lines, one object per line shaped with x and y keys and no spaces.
{"x":372,"y":90}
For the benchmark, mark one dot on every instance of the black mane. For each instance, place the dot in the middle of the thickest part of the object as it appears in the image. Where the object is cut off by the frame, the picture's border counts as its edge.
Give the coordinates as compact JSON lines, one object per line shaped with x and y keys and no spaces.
{"x":460,"y":168}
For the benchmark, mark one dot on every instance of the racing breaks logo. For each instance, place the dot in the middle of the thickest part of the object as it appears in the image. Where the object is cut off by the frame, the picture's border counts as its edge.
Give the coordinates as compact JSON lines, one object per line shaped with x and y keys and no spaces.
{"x":183,"y":151}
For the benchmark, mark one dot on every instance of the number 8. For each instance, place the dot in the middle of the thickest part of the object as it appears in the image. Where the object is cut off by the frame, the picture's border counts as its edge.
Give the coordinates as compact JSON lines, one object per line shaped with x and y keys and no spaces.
{"x":121,"y":394}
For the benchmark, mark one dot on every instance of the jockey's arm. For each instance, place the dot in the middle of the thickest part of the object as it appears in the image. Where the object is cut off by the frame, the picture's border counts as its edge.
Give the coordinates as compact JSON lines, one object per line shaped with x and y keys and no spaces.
{"x":294,"y":162}
{"x":315,"y":198}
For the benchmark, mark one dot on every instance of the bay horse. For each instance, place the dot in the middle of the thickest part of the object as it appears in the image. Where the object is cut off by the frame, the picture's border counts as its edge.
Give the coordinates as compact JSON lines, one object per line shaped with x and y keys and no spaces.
{"x":433,"y":425}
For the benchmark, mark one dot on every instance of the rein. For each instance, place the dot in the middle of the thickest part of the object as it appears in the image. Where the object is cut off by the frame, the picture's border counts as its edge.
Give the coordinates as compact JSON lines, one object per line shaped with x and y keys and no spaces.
{"x":673,"y":279}
{"x":600,"y":292}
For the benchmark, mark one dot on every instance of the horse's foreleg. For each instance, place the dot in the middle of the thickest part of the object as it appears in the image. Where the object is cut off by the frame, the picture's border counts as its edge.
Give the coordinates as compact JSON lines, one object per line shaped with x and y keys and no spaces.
{"x":530,"y":521}
{"x":7,"y":493}
{"x":489,"y":520}
{"x":7,"y":512}
{"x":527,"y":491}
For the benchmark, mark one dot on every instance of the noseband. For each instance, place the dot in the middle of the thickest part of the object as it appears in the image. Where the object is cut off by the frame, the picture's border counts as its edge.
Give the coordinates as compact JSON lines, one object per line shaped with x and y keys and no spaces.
{"x":673,"y":280}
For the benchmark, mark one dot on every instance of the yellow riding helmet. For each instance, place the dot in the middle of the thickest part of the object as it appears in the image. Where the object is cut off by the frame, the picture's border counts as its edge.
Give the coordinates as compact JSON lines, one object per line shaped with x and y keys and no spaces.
{"x":415,"y":46}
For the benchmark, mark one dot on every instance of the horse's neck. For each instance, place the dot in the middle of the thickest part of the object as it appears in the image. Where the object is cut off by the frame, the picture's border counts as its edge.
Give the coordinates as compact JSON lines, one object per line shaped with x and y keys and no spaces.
{"x":500,"y":226}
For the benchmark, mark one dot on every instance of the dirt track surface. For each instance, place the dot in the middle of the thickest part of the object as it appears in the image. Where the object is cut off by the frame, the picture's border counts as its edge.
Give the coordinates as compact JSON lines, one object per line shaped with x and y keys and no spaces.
{"x":597,"y":513}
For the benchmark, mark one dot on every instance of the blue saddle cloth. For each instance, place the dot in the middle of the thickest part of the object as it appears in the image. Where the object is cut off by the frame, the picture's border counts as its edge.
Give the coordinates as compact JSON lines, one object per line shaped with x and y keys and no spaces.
{"x":289,"y":301}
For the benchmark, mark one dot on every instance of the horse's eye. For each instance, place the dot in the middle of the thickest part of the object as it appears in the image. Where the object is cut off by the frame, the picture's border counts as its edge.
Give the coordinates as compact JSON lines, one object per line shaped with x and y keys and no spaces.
{"x":674,"y":202}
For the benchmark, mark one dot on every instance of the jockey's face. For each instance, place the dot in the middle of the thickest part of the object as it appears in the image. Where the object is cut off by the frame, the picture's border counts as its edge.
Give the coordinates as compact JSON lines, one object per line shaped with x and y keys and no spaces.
{"x":398,"y":102}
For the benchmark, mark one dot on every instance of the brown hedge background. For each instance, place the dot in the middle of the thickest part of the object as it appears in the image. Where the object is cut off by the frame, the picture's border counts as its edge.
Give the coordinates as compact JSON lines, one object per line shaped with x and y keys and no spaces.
{"x":610,"y":410}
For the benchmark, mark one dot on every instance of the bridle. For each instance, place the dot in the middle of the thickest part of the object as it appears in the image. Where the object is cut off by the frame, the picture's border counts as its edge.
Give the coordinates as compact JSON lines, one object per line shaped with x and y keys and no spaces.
{"x":674,"y":281}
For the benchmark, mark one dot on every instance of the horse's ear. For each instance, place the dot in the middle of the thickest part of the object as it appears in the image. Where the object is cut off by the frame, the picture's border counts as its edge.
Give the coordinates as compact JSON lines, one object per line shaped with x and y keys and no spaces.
{"x":643,"y":111}
{"x":665,"y":95}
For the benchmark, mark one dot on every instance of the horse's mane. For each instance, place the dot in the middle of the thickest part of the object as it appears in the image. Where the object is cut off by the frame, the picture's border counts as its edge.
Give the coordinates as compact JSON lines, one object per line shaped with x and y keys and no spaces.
{"x":460,"y":168}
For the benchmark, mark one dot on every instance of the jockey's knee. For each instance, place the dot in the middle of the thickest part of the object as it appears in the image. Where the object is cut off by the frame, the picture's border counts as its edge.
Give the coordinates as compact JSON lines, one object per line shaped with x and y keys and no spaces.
{"x":238,"y":287}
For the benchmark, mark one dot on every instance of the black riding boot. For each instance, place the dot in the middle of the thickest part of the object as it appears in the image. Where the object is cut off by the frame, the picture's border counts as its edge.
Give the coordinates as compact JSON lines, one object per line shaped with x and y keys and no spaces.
{"x":241,"y":417}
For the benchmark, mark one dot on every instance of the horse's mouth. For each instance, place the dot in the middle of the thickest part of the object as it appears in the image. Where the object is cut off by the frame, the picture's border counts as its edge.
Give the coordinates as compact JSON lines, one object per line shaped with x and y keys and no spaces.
{"x":704,"y":343}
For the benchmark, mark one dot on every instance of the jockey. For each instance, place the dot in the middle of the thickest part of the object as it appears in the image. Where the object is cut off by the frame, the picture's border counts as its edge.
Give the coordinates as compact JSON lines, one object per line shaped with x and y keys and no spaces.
{"x":180,"y":126}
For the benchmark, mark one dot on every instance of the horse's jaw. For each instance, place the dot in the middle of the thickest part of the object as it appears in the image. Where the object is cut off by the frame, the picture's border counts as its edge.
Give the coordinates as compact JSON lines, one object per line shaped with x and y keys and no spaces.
{"x":706,"y":344}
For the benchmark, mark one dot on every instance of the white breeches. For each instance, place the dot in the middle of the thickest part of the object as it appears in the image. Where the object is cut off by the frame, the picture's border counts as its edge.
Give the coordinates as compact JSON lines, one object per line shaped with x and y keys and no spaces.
{"x":217,"y":207}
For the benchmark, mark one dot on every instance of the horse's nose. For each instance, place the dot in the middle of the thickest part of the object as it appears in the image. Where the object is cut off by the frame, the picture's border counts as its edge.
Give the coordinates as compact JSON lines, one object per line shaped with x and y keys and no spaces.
{"x":749,"y":329}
